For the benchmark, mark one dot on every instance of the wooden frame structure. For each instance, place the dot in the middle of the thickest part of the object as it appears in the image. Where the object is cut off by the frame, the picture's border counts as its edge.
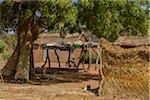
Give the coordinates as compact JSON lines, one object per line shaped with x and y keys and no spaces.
{"x":71,"y":46}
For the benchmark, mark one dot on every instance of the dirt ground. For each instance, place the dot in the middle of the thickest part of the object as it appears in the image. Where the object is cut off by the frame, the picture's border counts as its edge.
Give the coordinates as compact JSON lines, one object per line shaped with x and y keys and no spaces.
{"x":60,"y":91}
{"x":58,"y":86}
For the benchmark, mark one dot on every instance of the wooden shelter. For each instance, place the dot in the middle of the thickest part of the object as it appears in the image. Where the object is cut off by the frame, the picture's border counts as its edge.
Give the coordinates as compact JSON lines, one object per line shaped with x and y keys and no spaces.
{"x":125,"y":70}
{"x":67,"y":47}
{"x":40,"y":53}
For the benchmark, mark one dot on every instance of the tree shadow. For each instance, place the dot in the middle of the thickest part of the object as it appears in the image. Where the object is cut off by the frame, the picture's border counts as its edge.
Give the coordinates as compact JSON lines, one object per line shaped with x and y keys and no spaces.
{"x":61,"y":75}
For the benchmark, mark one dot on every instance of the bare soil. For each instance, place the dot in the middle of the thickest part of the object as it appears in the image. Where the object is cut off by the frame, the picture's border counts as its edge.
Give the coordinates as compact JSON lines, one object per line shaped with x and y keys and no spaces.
{"x":62,"y":85}
{"x":60,"y":91}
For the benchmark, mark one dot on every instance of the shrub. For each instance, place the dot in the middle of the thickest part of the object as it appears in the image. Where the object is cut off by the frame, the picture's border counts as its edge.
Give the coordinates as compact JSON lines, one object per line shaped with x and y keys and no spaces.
{"x":85,"y":57}
{"x":11,"y":42}
{"x":6,"y":55}
{"x":2,"y":46}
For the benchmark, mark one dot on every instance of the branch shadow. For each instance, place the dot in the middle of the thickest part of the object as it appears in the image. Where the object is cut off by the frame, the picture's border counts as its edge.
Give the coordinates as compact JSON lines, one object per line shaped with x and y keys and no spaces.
{"x":61,"y":75}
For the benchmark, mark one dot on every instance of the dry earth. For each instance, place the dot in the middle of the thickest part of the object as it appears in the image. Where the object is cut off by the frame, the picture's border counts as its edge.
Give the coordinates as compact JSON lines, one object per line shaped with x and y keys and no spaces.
{"x":61,"y":91}
{"x":62,"y":86}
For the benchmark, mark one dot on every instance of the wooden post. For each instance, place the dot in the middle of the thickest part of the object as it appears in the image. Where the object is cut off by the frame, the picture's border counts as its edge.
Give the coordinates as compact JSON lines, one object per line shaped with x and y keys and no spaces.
{"x":90,"y":58}
{"x":97,"y":59}
{"x":47,"y":58}
{"x":101,"y":75}
{"x":83,"y":61}
{"x":80,"y":58}
{"x":44,"y":62}
{"x":2,"y":80}
{"x":69,"y":58}
{"x":57,"y":58}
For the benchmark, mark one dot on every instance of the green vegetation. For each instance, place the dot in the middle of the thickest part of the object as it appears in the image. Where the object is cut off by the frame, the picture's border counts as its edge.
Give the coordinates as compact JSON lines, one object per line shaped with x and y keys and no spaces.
{"x":105,"y":18}
{"x":109,"y":18}
{"x":6,"y":55}
{"x":85,"y":57}
{"x":7,"y":46}
{"x":54,"y":15}
{"x":2,"y":46}
{"x":11,"y":42}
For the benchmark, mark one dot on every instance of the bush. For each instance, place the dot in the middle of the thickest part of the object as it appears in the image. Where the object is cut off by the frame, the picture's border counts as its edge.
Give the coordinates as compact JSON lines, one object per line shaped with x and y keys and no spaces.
{"x":11,"y":42}
{"x":85,"y":57}
{"x":2,"y":46}
{"x":6,"y":55}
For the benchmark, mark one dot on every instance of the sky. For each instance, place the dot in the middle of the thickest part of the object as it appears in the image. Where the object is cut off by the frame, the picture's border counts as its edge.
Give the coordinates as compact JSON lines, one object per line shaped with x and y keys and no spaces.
{"x":1,"y":1}
{"x":75,"y":0}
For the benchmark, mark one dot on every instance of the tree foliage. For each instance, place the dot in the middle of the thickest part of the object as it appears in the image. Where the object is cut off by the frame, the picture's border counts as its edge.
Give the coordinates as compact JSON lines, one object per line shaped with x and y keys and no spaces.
{"x":50,"y":14}
{"x":107,"y":18}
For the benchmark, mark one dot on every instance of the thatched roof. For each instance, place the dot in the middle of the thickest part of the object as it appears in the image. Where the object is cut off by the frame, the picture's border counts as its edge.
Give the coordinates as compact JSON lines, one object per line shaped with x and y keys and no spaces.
{"x":126,"y":71}
{"x":133,"y":41}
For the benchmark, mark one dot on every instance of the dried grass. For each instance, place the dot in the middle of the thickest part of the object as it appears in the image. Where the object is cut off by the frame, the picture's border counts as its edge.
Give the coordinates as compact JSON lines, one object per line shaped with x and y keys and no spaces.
{"x":126,"y":71}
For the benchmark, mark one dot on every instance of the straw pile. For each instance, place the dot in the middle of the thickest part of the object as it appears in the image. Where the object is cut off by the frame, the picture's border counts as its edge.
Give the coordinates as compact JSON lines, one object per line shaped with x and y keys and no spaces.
{"x":126,"y":71}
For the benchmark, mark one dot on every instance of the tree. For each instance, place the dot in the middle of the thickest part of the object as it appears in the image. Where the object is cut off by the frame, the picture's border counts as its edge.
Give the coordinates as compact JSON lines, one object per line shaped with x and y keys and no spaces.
{"x":28,"y":18}
{"x":108,"y":18}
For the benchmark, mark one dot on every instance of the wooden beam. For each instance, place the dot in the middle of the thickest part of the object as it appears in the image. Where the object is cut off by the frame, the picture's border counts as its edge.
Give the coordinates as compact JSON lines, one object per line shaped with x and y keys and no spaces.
{"x":66,"y":47}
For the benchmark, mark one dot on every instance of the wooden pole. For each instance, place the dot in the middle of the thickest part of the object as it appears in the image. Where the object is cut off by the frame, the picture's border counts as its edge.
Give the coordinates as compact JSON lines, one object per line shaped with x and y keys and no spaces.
{"x":69,"y":58}
{"x":83,"y":61}
{"x":57,"y":58}
{"x":80,"y":58}
{"x":44,"y":62}
{"x":97,"y":59}
{"x":2,"y":80}
{"x":47,"y":58}
{"x":90,"y":58}
{"x":101,"y":75}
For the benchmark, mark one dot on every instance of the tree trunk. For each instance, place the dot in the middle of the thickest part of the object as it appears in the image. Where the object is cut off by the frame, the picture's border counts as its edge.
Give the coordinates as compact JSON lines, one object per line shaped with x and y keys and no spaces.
{"x":18,"y":66}
{"x":10,"y":67}
{"x":22,"y":69}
